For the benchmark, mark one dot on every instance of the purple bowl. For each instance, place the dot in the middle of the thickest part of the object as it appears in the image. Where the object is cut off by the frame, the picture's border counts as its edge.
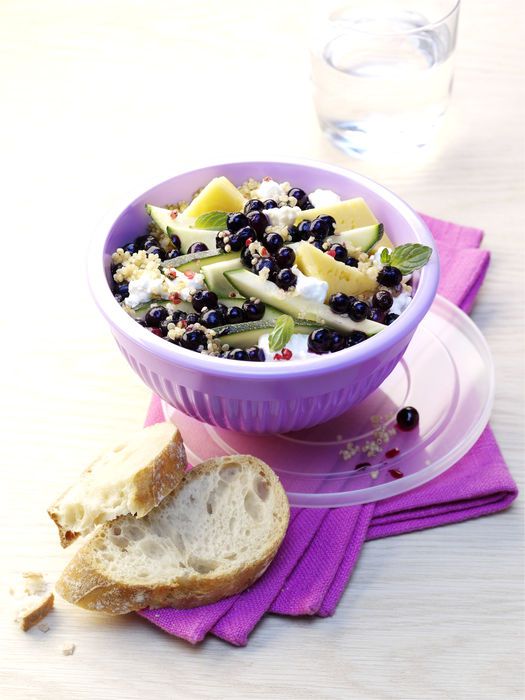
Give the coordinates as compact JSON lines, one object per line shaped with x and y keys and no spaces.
{"x":256,"y":397}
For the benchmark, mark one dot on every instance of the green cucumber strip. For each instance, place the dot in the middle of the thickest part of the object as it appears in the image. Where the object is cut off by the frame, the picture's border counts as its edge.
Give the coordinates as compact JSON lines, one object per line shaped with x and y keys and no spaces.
{"x":250,"y":284}
{"x":365,"y":237}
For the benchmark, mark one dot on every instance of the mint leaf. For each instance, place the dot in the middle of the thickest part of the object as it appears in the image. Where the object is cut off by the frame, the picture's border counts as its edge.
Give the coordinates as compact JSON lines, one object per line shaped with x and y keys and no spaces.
{"x":410,"y":257}
{"x":212,"y":221}
{"x":385,"y":256}
{"x":281,"y":333}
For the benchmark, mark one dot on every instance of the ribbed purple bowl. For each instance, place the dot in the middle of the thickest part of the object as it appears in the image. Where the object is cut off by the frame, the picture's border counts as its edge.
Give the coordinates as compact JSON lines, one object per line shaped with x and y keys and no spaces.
{"x":263,"y":397}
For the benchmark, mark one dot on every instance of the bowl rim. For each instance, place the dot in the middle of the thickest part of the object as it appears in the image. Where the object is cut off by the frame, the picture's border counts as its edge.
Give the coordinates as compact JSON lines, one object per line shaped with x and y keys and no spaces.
{"x":393,"y":334}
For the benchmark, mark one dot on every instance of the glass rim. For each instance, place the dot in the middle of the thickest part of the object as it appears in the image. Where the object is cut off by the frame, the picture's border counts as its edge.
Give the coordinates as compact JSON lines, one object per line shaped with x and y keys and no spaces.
{"x":408,"y":32}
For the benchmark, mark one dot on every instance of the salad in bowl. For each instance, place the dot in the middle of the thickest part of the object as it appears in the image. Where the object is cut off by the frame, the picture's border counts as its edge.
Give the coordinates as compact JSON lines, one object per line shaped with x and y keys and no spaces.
{"x":265,"y":271}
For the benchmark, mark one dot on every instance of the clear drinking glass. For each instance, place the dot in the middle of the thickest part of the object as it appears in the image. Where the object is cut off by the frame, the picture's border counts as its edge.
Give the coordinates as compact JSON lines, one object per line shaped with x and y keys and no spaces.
{"x":382,"y":72}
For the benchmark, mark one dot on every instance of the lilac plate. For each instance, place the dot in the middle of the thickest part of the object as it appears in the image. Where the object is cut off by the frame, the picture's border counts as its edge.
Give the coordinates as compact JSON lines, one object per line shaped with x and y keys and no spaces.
{"x":256,"y":397}
{"x":317,"y":466}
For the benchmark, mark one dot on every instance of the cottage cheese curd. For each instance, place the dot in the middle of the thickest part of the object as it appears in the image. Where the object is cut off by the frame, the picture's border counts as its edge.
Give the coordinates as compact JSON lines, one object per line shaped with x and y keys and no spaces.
{"x":150,"y":284}
{"x":282,"y":216}
{"x":269,"y":189}
{"x":310,"y":288}
{"x":323,"y":198}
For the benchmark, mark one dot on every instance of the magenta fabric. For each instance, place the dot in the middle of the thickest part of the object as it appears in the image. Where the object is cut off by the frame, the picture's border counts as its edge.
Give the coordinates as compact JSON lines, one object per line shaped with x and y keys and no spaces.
{"x":314,"y":564}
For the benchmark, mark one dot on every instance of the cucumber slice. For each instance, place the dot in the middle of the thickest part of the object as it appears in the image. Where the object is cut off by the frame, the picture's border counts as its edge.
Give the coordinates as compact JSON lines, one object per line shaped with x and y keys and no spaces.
{"x":195,"y":261}
{"x":365,"y":237}
{"x":232,"y":301}
{"x":164,"y":220}
{"x":249,"y":284}
{"x":214,"y":275}
{"x":245,"y":335}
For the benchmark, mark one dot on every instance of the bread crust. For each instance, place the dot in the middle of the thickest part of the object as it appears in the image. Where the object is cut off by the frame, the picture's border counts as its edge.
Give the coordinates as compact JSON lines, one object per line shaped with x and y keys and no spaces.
{"x":150,"y":485}
{"x":31,"y":618}
{"x":84,"y":584}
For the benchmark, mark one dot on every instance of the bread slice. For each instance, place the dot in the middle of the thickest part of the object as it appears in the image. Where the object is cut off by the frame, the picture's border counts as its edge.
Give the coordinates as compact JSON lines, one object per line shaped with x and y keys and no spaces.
{"x":133,"y":478}
{"x":211,"y":538}
{"x":32,"y":598}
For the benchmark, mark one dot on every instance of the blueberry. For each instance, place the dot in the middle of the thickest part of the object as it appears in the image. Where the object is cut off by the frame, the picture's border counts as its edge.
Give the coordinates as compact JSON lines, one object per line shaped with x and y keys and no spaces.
{"x":320,"y":229}
{"x":356,"y":337}
{"x":253,"y":205}
{"x":308,"y":204}
{"x":238,"y":354}
{"x":193,"y":340}
{"x":285,"y":257}
{"x":294,"y":234}
{"x":304,"y":229}
{"x":114,"y":267}
{"x":286,"y":279}
{"x":270,"y":204}
{"x":155,"y":250}
{"x":177,"y":316}
{"x":192,"y":318}
{"x":269,"y":264}
{"x":123,"y":289}
{"x":164,"y":326}
{"x":118,"y":298}
{"x":339,"y":342}
{"x":197,"y":247}
{"x":237,"y":240}
{"x":175,"y":240}
{"x":407,"y":418}
{"x":352,"y":262}
{"x":339,"y":303}
{"x":390,"y":318}
{"x":141,"y":241}
{"x":255,"y":354}
{"x":150,"y":242}
{"x":247,"y":256}
{"x":300,"y":195}
{"x":376,"y":315}
{"x":130,"y":248}
{"x":234,"y":315}
{"x":172,"y":254}
{"x":339,"y":252}
{"x":272,"y":242}
{"x":141,"y":322}
{"x":358,"y":310}
{"x":204,"y":298}
{"x":222,"y":308}
{"x":236,"y":221}
{"x":320,"y":340}
{"x":212,"y":319}
{"x":259,"y":222}
{"x":245,"y":234}
{"x":329,"y":221}
{"x":253,"y":309}
{"x":382,"y":300}
{"x":318,"y":245}
{"x":155,"y":316}
{"x":389,"y":276}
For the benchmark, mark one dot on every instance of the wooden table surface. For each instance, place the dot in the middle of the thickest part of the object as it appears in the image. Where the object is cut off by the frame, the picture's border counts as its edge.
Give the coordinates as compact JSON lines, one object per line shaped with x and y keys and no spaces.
{"x":100,"y":98}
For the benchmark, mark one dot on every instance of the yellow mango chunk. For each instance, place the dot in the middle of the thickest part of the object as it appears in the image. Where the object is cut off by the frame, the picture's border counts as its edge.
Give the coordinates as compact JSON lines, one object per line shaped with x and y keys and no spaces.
{"x":219,"y":195}
{"x":340,"y":277}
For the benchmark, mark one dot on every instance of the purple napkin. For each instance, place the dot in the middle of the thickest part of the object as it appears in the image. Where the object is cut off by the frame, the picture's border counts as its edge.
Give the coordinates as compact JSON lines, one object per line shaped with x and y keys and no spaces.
{"x":312,"y":568}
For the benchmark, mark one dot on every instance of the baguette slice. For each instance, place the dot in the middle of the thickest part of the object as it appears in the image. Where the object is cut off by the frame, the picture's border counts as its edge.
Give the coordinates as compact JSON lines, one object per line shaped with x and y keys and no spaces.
{"x":33,"y":599}
{"x":211,"y":538}
{"x":132,"y":478}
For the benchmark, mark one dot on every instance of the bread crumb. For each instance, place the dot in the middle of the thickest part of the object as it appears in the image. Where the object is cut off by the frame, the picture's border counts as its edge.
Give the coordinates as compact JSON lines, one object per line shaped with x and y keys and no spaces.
{"x":68,"y":649}
{"x":43,"y":627}
{"x":32,"y":600}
